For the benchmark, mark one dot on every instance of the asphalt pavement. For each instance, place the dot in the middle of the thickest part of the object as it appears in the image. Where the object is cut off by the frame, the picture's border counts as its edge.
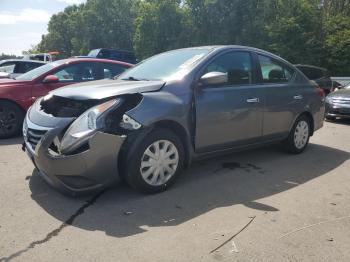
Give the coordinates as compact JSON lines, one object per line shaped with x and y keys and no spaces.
{"x":257,"y":205}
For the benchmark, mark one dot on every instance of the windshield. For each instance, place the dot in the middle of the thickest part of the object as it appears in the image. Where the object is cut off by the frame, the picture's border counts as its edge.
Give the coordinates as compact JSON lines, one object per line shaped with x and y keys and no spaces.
{"x":32,"y":74}
{"x":94,"y":52}
{"x":173,"y":65}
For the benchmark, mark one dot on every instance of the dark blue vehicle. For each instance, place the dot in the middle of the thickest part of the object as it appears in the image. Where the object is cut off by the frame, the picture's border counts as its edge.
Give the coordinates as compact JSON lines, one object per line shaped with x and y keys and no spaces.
{"x":113,"y":54}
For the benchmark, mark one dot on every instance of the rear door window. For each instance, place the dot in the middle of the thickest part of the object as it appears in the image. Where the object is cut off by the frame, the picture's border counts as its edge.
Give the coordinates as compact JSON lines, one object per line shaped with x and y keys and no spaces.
{"x":273,"y":71}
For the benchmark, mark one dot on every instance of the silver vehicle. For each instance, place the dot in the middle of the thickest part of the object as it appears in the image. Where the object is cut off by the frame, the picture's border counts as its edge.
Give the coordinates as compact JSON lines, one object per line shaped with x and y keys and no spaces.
{"x":171,"y":109}
{"x":11,"y":68}
{"x":338,"y":104}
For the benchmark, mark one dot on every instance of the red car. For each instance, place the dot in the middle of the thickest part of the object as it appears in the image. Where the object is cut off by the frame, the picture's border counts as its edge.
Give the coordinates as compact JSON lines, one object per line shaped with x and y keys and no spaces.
{"x":17,"y":95}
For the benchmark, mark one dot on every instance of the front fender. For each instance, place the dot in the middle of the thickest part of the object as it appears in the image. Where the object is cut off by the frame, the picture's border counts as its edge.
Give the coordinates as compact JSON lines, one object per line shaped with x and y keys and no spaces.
{"x":159,"y":106}
{"x":166,"y":109}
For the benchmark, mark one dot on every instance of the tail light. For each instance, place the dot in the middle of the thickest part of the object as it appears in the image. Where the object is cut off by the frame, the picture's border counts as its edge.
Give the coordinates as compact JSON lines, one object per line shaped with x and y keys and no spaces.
{"x":321,"y":92}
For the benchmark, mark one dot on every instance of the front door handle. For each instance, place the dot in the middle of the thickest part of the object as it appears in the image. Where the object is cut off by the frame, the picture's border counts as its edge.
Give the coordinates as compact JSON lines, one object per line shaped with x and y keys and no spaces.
{"x":298,"y":97}
{"x":253,"y":100}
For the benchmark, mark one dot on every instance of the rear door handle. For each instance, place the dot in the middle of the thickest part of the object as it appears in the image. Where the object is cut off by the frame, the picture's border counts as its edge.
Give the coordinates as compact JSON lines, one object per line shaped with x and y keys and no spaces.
{"x":298,"y":97}
{"x":253,"y":100}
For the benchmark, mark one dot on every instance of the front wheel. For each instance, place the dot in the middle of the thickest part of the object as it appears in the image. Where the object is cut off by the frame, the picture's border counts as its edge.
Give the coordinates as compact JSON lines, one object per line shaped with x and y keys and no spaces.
{"x":11,"y":119}
{"x":299,"y":136}
{"x":155,"y":163}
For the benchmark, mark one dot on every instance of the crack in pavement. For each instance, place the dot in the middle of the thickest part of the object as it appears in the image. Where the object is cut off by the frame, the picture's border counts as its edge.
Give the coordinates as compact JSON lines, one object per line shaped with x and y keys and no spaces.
{"x":56,"y":231}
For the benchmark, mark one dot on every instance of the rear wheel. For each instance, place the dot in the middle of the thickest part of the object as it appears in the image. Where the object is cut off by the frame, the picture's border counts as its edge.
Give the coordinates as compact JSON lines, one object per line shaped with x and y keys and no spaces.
{"x":11,"y":119}
{"x":299,"y":136}
{"x":155,"y":163}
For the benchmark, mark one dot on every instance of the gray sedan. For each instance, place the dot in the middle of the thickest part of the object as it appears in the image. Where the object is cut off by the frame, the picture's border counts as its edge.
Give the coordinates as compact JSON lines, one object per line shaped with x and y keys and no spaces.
{"x":171,"y":109}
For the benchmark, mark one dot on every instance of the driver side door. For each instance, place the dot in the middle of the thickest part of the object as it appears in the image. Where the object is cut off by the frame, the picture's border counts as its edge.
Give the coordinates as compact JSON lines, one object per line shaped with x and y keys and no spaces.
{"x":229,"y":114}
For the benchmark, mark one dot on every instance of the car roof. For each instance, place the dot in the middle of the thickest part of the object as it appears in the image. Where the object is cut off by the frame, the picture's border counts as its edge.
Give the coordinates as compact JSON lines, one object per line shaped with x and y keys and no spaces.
{"x":92,"y":59}
{"x":311,"y":66}
{"x":246,"y":48}
{"x":111,"y":49}
{"x":219,"y":47}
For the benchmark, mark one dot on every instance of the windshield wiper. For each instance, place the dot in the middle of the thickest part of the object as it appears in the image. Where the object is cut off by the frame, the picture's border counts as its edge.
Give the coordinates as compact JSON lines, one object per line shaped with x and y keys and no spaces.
{"x":131,"y":78}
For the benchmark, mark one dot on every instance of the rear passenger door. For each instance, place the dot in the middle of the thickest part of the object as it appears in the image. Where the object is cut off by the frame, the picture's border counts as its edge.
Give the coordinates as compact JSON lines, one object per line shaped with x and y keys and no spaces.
{"x":230,"y":114}
{"x":283,"y":96}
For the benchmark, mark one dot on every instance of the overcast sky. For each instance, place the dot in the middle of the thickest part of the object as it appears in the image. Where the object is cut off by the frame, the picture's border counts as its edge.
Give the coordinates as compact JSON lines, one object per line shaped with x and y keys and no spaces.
{"x":22,"y":22}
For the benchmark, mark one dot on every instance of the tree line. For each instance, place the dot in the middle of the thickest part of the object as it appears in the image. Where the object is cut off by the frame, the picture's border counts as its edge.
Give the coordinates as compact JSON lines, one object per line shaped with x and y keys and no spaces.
{"x":7,"y":56}
{"x":313,"y":32}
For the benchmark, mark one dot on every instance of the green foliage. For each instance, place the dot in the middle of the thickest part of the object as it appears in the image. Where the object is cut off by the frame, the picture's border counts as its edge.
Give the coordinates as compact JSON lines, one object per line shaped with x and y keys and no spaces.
{"x":95,"y":24}
{"x":227,"y":21}
{"x":7,"y":56}
{"x":293,"y":32}
{"x":108,"y":23}
{"x":337,"y":44}
{"x":160,"y":25}
{"x":301,"y":31}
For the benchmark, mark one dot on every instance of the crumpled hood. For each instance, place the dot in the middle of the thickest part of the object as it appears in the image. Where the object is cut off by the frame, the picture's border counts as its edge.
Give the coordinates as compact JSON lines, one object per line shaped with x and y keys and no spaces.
{"x":101,"y":89}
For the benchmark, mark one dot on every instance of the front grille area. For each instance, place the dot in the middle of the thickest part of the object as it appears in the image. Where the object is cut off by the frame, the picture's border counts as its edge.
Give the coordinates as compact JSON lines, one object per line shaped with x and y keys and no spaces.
{"x":34,"y":136}
{"x":340,"y":111}
{"x":340,"y":100}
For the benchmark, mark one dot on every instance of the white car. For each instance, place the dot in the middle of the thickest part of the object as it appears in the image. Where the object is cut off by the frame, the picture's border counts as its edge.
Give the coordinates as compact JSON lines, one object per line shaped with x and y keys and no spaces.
{"x":12,"y":68}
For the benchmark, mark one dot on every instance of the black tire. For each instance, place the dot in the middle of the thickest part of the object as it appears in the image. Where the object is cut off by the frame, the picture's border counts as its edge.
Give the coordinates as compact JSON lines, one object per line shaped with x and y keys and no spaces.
{"x":132,"y":161}
{"x":11,"y":119}
{"x":331,"y":118}
{"x":290,"y":144}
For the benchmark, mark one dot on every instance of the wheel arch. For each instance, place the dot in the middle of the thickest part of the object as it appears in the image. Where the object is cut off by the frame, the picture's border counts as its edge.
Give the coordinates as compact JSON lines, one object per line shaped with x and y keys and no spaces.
{"x":311,"y":119}
{"x":180,"y":131}
{"x":135,"y":137}
{"x":14,"y":103}
{"x":19,"y":116}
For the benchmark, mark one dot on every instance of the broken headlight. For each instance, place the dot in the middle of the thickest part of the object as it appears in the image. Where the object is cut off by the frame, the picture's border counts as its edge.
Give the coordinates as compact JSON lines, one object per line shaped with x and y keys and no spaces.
{"x":129,"y":123}
{"x":85,"y":126}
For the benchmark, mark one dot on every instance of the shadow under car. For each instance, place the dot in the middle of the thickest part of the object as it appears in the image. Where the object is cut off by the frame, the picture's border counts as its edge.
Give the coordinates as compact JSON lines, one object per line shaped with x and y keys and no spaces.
{"x":208,"y":184}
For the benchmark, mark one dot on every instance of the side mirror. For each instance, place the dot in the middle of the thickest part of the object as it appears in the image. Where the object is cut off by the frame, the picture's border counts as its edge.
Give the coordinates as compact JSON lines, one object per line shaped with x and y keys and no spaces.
{"x":50,"y":79}
{"x":214,"y":78}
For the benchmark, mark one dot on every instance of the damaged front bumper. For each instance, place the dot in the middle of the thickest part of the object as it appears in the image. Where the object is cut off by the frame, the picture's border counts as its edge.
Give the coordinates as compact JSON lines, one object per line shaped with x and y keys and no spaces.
{"x":91,"y":169}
